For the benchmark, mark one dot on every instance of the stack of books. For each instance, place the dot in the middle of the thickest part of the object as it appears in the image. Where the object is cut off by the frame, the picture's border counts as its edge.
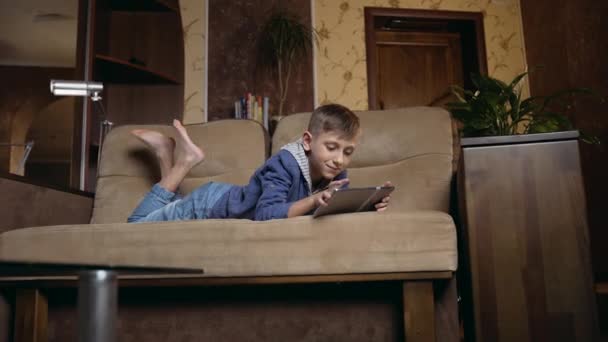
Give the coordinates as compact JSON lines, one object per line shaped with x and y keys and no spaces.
{"x":252,"y":107}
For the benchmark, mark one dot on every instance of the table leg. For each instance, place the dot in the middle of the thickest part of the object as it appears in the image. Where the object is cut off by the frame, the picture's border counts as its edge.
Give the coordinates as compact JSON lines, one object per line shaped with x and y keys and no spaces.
{"x":97,"y":306}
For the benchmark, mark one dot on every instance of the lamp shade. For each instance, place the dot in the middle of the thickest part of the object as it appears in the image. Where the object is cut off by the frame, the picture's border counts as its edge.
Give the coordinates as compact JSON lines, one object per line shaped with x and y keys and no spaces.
{"x":75,"y":88}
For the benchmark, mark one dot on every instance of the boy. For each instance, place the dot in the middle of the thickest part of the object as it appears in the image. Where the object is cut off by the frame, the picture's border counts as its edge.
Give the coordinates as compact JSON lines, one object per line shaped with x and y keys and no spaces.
{"x":293,"y":182}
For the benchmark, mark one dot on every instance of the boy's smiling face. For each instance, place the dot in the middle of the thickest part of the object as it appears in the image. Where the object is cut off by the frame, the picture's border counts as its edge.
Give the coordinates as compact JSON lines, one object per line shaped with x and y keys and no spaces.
{"x":329,"y":153}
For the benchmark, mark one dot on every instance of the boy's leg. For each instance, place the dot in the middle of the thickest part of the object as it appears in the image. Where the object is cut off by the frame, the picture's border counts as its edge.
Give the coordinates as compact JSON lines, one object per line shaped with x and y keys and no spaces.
{"x":197,"y":205}
{"x":176,"y":158}
{"x":156,"y":199}
{"x":184,"y":157}
{"x":162,"y":146}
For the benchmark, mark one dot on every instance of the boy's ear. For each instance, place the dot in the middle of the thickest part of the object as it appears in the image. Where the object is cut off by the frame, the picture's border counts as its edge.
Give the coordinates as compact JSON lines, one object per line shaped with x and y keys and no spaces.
{"x":307,"y":140}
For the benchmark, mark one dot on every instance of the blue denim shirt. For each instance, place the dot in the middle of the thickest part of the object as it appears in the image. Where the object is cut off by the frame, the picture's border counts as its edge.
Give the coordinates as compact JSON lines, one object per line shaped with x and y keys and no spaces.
{"x":272,"y":189}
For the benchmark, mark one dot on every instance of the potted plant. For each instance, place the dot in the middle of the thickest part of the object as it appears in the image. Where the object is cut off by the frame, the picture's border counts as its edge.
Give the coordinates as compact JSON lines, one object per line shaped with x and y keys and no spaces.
{"x":519,"y":196}
{"x":284,"y":42}
{"x":496,"y":108}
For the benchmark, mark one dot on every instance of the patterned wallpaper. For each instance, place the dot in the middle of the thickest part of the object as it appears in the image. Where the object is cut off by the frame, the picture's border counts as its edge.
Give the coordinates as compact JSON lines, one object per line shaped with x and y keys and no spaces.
{"x":340,"y":57}
{"x":193,"y":21}
{"x":234,"y":66}
{"x":341,"y":70}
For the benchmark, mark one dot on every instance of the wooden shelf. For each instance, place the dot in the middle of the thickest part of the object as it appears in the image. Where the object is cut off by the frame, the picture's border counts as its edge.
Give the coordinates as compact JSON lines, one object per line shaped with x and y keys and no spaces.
{"x":114,"y":70}
{"x":143,"y":6}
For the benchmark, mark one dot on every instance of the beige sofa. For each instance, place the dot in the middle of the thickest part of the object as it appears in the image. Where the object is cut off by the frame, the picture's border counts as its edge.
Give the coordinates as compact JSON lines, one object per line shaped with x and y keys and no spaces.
{"x":414,"y":242}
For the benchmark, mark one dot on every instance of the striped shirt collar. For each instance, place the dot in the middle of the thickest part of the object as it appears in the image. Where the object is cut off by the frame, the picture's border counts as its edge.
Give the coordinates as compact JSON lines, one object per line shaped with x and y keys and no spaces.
{"x":296,"y":149}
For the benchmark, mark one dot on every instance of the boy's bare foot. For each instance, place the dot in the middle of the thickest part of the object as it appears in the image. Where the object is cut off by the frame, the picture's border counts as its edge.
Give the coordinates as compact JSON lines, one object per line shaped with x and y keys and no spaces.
{"x":187,"y":154}
{"x":161,"y":145}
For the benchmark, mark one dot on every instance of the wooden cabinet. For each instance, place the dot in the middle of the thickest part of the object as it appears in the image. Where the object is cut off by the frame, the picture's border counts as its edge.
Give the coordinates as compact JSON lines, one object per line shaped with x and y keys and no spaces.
{"x":525,"y":247}
{"x":136,"y":49}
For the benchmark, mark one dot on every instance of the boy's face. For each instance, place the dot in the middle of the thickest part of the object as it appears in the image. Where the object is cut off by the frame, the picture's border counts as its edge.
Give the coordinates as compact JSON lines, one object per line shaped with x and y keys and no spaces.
{"x":329,"y":153}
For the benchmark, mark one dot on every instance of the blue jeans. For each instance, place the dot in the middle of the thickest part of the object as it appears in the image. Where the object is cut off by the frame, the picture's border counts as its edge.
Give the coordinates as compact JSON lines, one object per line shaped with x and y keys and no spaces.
{"x":163,"y":205}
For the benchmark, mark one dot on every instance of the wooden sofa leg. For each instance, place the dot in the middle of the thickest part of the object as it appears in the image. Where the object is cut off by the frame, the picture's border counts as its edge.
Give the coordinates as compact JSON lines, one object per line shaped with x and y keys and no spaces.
{"x":418,"y":311}
{"x":31,"y":316}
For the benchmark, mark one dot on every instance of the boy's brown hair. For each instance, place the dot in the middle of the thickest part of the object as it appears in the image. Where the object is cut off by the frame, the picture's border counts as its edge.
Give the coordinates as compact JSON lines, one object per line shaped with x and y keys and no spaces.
{"x":334,"y":117}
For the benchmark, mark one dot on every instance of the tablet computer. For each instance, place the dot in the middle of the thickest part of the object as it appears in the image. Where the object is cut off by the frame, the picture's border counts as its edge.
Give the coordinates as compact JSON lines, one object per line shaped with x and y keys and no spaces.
{"x":350,"y":200}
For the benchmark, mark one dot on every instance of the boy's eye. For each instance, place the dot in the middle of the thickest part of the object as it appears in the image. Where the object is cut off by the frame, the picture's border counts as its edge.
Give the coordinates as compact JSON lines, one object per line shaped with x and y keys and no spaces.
{"x":331,"y":147}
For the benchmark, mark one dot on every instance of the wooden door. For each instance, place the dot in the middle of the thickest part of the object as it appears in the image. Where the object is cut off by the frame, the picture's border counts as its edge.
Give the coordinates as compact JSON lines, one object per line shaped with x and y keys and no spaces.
{"x":415,"y":68}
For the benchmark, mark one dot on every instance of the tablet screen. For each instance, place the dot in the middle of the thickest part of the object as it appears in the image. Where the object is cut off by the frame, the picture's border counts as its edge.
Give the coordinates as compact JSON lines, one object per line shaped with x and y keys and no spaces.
{"x":352,"y":200}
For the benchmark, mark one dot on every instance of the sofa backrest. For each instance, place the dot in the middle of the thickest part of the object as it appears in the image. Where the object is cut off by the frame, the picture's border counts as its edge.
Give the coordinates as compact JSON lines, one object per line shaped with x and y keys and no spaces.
{"x":412,"y":147}
{"x":233,"y":150}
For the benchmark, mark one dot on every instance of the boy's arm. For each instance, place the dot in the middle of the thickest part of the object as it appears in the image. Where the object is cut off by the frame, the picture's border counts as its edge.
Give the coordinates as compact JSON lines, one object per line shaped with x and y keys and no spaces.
{"x":275,"y":182}
{"x":304,"y":206}
{"x":383,"y":204}
{"x":307,"y":204}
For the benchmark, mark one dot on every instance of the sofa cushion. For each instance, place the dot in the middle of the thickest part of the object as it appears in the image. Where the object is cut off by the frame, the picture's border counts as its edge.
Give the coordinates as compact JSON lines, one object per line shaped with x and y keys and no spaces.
{"x":233,"y":150}
{"x":411,"y":147}
{"x":337,"y":244}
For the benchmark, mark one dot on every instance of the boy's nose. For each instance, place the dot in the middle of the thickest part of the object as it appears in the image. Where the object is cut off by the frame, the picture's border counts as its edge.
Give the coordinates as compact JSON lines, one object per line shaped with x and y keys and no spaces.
{"x":338,"y":160}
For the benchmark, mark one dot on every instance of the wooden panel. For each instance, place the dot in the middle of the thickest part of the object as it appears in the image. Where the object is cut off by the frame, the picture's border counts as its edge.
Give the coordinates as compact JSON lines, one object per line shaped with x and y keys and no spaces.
{"x":415,"y":69}
{"x":527,"y":243}
{"x":447,"y":323}
{"x":28,"y":205}
{"x":113,"y":70}
{"x":418,"y":311}
{"x":233,"y":66}
{"x":142,"y":104}
{"x":583,"y":63}
{"x":351,"y":312}
{"x":6,"y":316}
{"x":144,"y":5}
{"x":31,"y":316}
{"x":187,"y":280}
{"x":153,"y":40}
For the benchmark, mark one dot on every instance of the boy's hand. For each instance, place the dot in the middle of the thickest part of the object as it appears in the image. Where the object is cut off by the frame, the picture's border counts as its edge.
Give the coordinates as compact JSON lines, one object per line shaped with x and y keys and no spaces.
{"x":337,"y":184}
{"x":323,"y":196}
{"x":383,"y":204}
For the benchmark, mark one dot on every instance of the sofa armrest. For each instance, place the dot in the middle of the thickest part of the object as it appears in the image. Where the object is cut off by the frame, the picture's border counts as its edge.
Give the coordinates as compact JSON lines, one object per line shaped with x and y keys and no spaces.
{"x":24,"y":204}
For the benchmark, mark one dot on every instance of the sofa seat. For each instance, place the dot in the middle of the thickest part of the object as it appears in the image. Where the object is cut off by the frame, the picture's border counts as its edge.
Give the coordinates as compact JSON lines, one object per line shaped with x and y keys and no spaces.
{"x":412,"y":245}
{"x":338,"y":244}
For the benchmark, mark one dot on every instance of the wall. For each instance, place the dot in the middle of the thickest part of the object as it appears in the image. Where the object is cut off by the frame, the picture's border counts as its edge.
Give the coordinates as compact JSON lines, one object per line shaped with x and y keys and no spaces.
{"x":234,"y":66}
{"x":194,"y":24}
{"x":340,"y":68}
{"x":38,"y":33}
{"x":340,"y":59}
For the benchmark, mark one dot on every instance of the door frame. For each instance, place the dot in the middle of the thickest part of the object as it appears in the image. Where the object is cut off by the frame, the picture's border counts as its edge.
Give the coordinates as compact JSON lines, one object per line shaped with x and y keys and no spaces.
{"x":370,"y":38}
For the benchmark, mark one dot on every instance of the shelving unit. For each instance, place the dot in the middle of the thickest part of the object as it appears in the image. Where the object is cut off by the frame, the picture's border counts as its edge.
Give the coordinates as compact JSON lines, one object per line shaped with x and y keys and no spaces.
{"x":114,"y":70}
{"x":135,"y":48}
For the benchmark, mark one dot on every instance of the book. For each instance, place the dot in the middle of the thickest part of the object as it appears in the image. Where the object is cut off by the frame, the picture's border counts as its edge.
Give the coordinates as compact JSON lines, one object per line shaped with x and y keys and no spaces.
{"x":265,"y":113}
{"x":351,"y":200}
{"x":253,"y":107}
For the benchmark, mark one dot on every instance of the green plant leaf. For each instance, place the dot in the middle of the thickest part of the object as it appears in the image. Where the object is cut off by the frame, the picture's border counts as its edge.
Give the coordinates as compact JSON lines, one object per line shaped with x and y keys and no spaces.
{"x":284,"y":40}
{"x":518,"y":79}
{"x":494,"y":107}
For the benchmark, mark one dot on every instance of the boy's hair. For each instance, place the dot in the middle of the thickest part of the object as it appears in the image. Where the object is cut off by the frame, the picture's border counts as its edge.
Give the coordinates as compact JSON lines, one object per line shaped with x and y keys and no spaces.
{"x":336,"y":118}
